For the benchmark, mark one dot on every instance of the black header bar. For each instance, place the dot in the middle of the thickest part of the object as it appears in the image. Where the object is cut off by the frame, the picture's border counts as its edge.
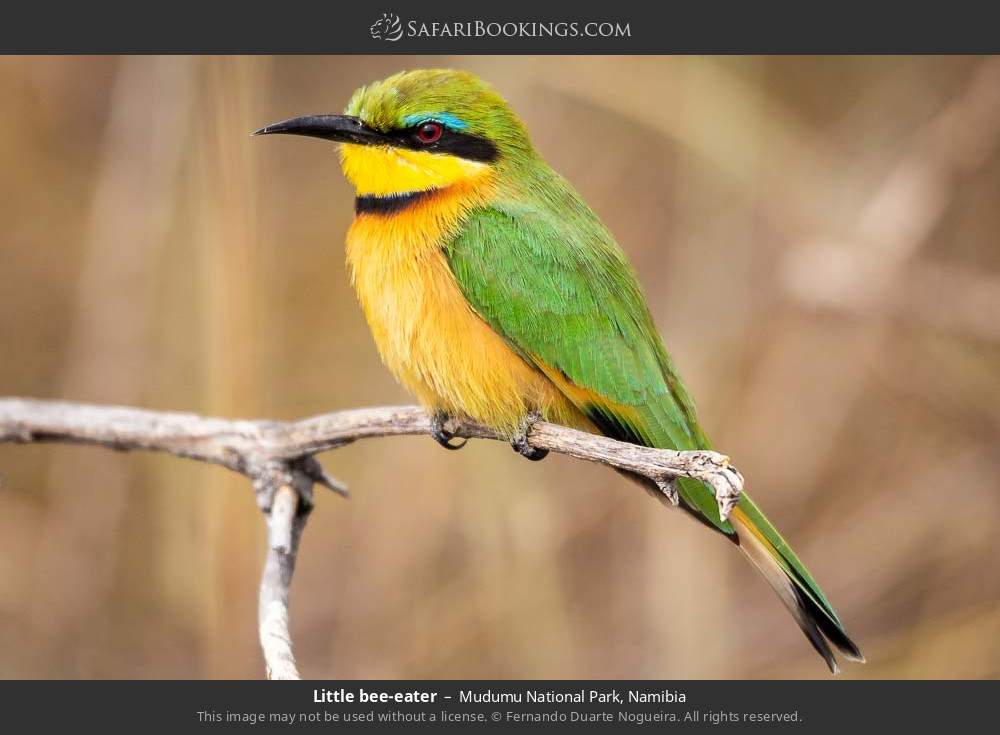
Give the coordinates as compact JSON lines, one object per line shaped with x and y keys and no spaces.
{"x":510,"y":27}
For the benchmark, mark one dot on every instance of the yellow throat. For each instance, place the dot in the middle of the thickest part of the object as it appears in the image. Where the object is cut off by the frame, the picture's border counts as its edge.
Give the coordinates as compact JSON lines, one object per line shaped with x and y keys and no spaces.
{"x":384,"y":170}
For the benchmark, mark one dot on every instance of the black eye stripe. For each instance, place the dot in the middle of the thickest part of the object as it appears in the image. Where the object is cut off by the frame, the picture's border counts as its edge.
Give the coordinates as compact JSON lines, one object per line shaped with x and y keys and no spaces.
{"x":463,"y":145}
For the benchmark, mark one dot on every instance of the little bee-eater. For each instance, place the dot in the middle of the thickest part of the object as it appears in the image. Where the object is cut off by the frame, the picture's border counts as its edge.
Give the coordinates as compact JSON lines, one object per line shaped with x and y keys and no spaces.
{"x":494,"y":292}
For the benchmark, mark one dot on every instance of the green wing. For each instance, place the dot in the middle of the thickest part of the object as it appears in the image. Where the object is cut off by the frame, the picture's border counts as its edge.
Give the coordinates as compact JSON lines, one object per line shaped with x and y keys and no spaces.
{"x":560,"y":291}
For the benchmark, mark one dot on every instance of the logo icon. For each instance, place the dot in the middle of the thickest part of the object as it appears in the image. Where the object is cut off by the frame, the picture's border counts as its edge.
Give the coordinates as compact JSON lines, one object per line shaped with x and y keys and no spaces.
{"x":387,"y":28}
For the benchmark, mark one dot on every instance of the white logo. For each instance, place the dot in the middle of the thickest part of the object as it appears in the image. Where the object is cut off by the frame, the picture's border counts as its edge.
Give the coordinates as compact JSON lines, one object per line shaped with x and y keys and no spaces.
{"x":387,"y":28}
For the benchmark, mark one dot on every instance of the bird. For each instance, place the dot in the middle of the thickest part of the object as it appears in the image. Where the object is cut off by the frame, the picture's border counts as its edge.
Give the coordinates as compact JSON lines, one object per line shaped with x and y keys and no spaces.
{"x":494,"y":292}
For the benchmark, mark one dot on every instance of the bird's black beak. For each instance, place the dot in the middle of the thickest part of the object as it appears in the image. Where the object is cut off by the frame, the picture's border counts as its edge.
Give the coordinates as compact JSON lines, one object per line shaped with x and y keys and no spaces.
{"x":341,"y":128}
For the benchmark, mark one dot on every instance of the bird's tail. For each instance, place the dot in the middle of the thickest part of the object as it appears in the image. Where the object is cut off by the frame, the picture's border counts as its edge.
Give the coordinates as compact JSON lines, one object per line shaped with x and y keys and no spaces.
{"x":788,"y":577}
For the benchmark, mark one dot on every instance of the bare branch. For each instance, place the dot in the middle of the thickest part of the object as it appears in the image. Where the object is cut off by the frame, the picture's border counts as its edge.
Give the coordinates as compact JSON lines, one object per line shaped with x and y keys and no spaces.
{"x":283,"y":492}
{"x":279,"y":458}
{"x":242,"y":445}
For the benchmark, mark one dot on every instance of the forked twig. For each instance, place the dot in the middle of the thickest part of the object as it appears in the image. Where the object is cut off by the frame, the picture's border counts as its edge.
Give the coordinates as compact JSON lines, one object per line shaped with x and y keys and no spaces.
{"x":279,"y":458}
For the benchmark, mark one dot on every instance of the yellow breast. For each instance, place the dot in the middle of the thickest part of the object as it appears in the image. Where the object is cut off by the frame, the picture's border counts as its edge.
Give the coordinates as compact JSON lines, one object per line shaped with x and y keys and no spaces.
{"x":425,"y":330}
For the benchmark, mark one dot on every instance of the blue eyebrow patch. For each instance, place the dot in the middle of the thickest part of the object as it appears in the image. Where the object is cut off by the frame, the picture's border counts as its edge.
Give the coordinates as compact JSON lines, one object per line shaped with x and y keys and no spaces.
{"x":446,"y":119}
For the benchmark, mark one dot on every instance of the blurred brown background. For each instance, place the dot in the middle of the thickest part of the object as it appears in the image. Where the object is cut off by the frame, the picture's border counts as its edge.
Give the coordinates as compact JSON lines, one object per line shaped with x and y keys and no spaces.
{"x":820,"y":242}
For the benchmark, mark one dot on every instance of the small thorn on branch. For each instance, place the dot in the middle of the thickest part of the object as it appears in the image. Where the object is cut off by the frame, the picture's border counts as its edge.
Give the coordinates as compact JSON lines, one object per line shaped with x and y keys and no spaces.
{"x":668,"y":486}
{"x":312,"y":468}
{"x":728,"y":486}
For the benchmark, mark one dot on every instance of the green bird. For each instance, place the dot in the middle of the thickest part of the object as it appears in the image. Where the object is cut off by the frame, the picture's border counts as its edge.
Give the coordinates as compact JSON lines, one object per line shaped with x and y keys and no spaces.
{"x":494,"y":292}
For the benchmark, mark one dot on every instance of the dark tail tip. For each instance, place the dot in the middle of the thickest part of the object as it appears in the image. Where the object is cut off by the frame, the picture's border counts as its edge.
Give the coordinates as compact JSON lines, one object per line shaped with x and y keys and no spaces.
{"x":822,"y":631}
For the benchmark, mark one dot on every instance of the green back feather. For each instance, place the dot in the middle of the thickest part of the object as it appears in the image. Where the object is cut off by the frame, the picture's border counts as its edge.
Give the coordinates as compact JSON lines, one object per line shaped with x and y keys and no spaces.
{"x":544,"y":272}
{"x":558,"y":288}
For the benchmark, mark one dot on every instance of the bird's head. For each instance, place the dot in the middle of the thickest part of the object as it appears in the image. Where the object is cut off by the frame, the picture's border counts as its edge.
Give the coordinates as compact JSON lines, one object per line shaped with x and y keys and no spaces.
{"x":419,"y":130}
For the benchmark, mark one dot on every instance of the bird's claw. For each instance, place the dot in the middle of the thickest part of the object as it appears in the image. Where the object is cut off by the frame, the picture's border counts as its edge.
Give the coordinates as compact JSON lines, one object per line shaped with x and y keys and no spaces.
{"x":519,"y":443}
{"x":441,"y":434}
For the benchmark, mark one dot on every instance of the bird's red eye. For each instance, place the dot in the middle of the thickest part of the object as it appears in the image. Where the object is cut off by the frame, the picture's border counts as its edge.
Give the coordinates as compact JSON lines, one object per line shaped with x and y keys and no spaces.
{"x":429,"y":132}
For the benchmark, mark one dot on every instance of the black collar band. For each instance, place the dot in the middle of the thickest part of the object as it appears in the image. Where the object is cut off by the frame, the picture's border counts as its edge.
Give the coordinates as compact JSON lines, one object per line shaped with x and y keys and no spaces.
{"x":389,"y":203}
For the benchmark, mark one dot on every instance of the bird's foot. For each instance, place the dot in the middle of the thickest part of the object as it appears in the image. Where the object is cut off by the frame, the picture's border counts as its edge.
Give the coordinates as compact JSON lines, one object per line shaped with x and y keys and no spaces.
{"x":442,"y":434}
{"x":519,"y":442}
